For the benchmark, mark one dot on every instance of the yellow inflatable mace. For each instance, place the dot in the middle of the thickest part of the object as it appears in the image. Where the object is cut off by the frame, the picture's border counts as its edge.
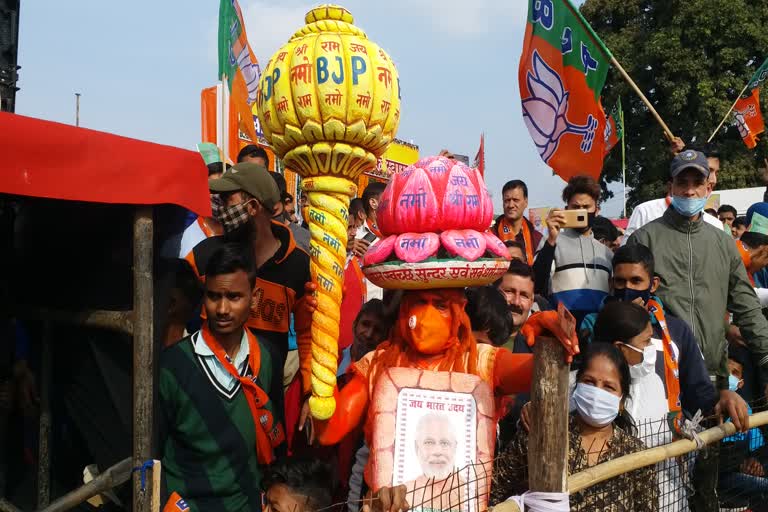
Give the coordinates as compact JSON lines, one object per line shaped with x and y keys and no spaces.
{"x":329,"y":104}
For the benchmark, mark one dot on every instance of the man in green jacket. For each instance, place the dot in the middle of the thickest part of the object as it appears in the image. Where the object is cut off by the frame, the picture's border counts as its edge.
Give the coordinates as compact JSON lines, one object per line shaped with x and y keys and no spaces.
{"x":702,"y":275}
{"x":702,"y":279}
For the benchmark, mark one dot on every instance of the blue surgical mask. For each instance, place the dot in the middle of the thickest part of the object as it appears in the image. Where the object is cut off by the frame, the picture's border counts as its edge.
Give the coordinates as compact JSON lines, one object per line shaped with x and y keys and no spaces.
{"x":689,"y":206}
{"x":628,"y":294}
{"x":733,"y":382}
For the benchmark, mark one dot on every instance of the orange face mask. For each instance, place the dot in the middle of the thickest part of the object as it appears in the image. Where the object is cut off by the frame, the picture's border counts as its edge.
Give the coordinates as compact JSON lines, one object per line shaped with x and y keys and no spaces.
{"x":428,"y":328}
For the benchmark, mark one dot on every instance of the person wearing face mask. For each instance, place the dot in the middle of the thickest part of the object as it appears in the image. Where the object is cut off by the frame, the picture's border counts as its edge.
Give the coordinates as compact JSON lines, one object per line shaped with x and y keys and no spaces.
{"x":433,"y":333}
{"x":651,"y":210}
{"x":599,"y":430}
{"x":250,"y":198}
{"x":571,"y":266}
{"x":702,"y":279}
{"x":204,"y":227}
{"x":701,"y":272}
{"x":744,"y":481}
{"x":628,"y":327}
{"x":681,"y":365}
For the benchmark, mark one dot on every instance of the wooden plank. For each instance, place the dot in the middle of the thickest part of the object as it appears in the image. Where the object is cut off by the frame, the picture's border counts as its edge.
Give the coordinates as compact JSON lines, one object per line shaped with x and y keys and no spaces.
{"x":121,"y":321}
{"x":157,"y":470}
{"x":548,"y":439}
{"x":143,"y":351}
{"x":44,"y":441}
{"x":109,"y":479}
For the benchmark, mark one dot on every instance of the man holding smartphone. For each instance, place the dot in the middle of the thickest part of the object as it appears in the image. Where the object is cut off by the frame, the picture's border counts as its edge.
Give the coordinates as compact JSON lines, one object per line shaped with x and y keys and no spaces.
{"x":571,"y":266}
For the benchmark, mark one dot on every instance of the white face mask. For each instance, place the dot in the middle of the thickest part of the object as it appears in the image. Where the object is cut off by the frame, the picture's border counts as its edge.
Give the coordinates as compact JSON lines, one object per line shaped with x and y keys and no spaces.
{"x":645,"y":367}
{"x":595,"y":406}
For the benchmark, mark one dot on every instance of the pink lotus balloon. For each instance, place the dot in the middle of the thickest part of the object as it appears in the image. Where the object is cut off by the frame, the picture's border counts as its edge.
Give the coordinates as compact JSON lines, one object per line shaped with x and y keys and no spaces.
{"x":461,"y":202}
{"x":486,"y":216}
{"x":433,"y":195}
{"x":496,"y":246}
{"x":380,"y":251}
{"x":417,"y":207}
{"x":416,"y":247}
{"x":466,"y":243}
{"x":385,"y":213}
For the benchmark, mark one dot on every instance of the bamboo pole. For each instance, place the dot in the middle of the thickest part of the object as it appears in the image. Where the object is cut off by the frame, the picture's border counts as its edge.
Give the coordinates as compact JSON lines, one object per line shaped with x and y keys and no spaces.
{"x":7,"y":506}
{"x":623,"y":158}
{"x":667,"y":132}
{"x":506,"y":506}
{"x":728,"y":113}
{"x":114,"y":476}
{"x":633,"y":461}
{"x":143,"y":350}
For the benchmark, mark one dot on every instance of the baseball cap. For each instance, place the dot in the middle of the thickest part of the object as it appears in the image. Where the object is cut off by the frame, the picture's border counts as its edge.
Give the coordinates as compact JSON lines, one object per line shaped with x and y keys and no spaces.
{"x":251,"y":178}
{"x":689,"y":159}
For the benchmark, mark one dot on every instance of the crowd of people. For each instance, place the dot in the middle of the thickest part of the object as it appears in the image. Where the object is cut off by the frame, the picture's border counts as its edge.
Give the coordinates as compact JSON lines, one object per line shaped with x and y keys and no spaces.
{"x":669,"y":319}
{"x":670,"y":325}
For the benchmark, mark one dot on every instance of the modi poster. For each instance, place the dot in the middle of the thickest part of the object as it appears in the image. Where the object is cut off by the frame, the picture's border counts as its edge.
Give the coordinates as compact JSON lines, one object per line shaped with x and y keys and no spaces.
{"x":435,"y":447}
{"x":538,"y":217}
{"x":433,"y":432}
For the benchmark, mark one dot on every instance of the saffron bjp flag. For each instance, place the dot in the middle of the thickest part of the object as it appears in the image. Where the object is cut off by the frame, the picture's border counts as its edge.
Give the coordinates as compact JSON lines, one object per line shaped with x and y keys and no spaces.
{"x":749,"y":118}
{"x":614,"y":128}
{"x":562,"y":71}
{"x":238,"y":65}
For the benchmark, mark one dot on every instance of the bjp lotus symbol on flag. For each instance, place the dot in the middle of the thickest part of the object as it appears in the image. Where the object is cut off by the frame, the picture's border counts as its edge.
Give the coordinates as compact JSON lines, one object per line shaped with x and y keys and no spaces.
{"x":562,"y":71}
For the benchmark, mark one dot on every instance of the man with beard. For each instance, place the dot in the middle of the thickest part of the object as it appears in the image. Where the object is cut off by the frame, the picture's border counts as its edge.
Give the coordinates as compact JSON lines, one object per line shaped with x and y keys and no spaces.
{"x":440,"y":483}
{"x":513,"y":226}
{"x":250,"y":197}
{"x":571,"y":266}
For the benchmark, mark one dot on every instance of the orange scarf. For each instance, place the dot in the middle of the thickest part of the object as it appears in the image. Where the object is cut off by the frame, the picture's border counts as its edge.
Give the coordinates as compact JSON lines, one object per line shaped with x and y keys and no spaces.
{"x":269,"y":433}
{"x":506,"y":233}
{"x":208,"y":232}
{"x":746,"y":258}
{"x":373,"y":228}
{"x":671,"y":366}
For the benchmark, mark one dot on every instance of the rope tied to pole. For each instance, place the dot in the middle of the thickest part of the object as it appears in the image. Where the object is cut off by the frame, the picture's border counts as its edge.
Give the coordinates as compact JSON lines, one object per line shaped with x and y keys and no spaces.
{"x":542,"y":501}
{"x":143,"y":473}
{"x":690,"y":429}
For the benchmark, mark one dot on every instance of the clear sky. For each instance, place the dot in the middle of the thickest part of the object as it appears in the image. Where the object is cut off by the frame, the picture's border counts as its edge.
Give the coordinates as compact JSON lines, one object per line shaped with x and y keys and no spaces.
{"x":140,"y":67}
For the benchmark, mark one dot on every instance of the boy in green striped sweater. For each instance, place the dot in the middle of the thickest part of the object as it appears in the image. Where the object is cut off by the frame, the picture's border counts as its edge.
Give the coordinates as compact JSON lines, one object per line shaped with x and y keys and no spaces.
{"x":216,"y":420}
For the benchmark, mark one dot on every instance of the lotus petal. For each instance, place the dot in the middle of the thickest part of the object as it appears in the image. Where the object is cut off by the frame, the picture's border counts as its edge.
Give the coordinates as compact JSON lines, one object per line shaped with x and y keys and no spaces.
{"x":466,"y":243}
{"x":496,"y":246}
{"x":416,"y":247}
{"x":379,"y":251}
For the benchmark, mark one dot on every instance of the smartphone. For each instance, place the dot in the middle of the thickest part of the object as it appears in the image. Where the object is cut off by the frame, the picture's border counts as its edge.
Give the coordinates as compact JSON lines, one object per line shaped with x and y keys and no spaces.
{"x":369,"y":237}
{"x":575,"y":218}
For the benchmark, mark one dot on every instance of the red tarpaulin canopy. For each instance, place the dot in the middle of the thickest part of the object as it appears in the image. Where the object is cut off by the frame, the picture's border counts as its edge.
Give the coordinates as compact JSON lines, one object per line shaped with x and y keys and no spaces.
{"x":58,"y":161}
{"x":620,"y":223}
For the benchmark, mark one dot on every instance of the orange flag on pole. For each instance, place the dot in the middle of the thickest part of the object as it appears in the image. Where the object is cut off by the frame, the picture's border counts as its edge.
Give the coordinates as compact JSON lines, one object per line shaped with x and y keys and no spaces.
{"x":749,"y":118}
{"x":562,"y":71}
{"x":238,"y":64}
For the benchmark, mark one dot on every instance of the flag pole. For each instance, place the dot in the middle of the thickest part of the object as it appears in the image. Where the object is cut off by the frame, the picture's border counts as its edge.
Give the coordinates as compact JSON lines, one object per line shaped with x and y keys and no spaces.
{"x":224,"y":123}
{"x":623,"y":157}
{"x":728,"y":113}
{"x":667,"y":132}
